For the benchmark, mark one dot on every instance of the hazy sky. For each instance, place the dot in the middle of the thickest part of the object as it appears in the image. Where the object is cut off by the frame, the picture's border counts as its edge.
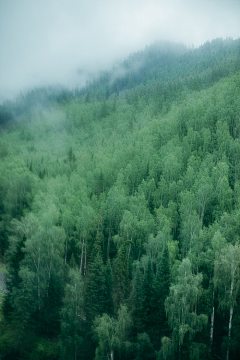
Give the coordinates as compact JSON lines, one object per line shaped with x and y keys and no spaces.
{"x":45,"y":42}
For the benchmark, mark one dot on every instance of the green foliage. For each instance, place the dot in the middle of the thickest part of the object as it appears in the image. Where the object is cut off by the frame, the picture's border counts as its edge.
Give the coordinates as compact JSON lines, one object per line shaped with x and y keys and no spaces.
{"x":126,"y":191}
{"x":95,"y":300}
{"x":161,"y":285}
{"x":109,"y":305}
{"x":121,"y":275}
{"x":183,"y":320}
{"x":146,"y":297}
{"x":111,"y":333}
{"x":72,"y":316}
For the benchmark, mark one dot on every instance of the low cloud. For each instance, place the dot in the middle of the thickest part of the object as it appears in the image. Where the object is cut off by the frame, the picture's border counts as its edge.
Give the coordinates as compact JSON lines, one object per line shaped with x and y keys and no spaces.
{"x":66,"y":42}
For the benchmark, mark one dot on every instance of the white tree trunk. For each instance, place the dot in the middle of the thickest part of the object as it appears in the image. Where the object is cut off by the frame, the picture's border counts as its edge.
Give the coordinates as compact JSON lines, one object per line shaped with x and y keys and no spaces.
{"x":66,"y":246}
{"x":81,"y":264}
{"x":85,"y":261}
{"x":229,"y":331}
{"x":112,"y":355}
{"x":212,"y":322}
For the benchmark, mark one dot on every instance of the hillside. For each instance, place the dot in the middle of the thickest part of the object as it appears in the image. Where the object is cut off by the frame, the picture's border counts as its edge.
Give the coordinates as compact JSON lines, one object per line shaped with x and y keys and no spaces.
{"x":120,"y":209}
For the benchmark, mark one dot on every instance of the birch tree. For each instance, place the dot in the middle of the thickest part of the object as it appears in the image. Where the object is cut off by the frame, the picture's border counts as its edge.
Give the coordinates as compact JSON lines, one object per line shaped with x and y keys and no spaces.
{"x":227,"y":282}
{"x":111,"y":333}
{"x":180,"y":307}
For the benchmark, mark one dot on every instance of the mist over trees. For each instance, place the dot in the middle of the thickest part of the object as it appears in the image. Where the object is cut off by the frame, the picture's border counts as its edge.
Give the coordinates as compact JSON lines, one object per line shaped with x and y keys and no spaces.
{"x":119,"y":211}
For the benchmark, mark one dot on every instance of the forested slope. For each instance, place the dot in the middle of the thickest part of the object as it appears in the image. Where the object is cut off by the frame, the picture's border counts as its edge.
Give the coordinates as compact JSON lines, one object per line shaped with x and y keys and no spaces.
{"x":120,"y":211}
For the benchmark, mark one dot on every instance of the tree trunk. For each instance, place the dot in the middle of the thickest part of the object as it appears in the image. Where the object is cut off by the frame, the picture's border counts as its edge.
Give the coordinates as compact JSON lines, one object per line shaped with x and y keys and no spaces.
{"x":112,"y":355}
{"x":229,"y":331}
{"x":66,"y":246}
{"x":81,"y":263}
{"x":212,"y":323}
{"x":85,"y":261}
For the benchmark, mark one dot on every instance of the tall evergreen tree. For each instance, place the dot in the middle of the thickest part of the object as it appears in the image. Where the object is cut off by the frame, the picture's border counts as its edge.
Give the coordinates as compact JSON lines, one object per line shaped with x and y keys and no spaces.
{"x":135,"y":299}
{"x":72,"y":317}
{"x":160,"y":292}
{"x":109,"y":306}
{"x":121,"y":275}
{"x":146,"y":304}
{"x":95,"y":294}
{"x":15,"y":258}
{"x":22,"y":321}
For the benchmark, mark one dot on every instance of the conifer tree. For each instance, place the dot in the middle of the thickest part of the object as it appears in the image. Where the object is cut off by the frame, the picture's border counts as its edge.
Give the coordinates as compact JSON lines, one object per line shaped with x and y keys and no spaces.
{"x":109,"y":306}
{"x":13,"y":278}
{"x":146,"y":304}
{"x":136,"y":297}
{"x":22,"y":321}
{"x":72,"y":317}
{"x":95,"y":296}
{"x":122,"y":275}
{"x":161,"y":286}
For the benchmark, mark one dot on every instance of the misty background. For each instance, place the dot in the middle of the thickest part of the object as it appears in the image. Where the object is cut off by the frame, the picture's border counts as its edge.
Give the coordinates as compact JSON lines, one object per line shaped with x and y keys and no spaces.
{"x":59,"y":42}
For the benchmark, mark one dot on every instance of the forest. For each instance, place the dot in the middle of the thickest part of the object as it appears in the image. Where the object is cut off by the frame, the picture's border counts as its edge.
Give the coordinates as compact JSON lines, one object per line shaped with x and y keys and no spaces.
{"x":120,"y":211}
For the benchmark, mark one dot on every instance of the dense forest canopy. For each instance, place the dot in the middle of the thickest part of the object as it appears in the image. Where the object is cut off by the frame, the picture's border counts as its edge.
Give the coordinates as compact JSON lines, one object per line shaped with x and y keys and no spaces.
{"x":120,"y":211}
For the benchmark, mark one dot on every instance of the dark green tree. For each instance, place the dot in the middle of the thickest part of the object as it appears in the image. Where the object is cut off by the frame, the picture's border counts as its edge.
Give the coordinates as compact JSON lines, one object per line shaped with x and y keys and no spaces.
{"x":136,"y":298}
{"x":109,"y":306}
{"x":72,"y":317}
{"x":22,"y":320}
{"x":95,"y":294}
{"x":121,"y":275}
{"x":147,"y":293}
{"x":160,"y":292}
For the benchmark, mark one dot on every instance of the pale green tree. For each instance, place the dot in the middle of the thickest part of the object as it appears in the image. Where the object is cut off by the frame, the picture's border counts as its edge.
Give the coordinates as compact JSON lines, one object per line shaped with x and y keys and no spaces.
{"x":227,"y":282}
{"x":181,"y":310}
{"x":111,"y":333}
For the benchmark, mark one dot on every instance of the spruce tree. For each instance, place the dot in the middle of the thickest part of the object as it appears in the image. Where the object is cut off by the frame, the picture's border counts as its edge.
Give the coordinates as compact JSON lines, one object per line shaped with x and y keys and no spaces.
{"x":135,"y":298}
{"x":95,"y":295}
{"x":160,"y":292}
{"x":22,"y":322}
{"x":146,"y":306}
{"x":13,"y":277}
{"x":109,"y":306}
{"x":122,"y":275}
{"x":72,"y":317}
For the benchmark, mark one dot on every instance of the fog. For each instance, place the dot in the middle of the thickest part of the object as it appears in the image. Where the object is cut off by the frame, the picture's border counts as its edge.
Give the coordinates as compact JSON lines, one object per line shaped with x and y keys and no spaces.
{"x":48,"y":42}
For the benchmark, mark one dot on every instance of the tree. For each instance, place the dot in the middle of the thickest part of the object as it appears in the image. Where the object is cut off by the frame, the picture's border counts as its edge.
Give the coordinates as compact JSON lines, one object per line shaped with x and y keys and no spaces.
{"x":191,"y":224}
{"x":136,"y":297}
{"x":146,"y":292}
{"x":121,"y":274}
{"x":22,"y":320}
{"x":109,"y":306}
{"x":181,"y":309}
{"x":72,"y":316}
{"x":160,"y":292}
{"x":227,"y":281}
{"x":43,"y":257}
{"x":145,"y":349}
{"x":111,"y":333}
{"x":95,"y":293}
